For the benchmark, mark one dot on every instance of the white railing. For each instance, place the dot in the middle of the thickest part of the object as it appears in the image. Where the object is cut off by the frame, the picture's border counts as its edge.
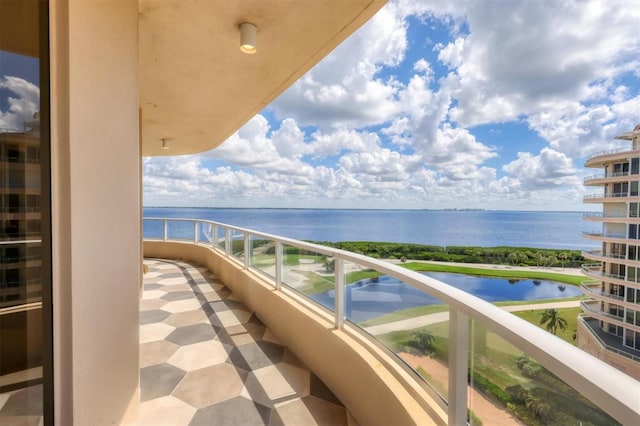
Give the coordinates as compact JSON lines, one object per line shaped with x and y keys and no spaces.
{"x":608,"y":152}
{"x":597,"y":233}
{"x":611,"y":195}
{"x":614,"y":215}
{"x":602,"y":176}
{"x":607,"y":387}
{"x":594,"y":288}
{"x":600,"y":253}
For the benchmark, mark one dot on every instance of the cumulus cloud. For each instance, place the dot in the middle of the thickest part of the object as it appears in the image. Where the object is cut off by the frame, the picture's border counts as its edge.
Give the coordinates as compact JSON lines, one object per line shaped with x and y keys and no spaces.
{"x":385,"y":121}
{"x":23,"y":106}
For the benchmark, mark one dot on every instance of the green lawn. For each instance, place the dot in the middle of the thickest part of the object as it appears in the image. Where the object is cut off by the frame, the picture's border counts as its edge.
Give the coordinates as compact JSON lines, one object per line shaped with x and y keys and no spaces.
{"x":569,"y":314}
{"x":499,"y":273}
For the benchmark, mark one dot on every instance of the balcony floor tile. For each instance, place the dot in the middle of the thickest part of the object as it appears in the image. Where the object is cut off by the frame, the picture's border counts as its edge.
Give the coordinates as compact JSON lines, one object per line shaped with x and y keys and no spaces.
{"x":206,"y":359}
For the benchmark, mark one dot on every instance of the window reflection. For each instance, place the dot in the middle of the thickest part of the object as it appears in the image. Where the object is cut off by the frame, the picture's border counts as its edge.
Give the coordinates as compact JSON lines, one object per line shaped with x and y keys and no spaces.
{"x":21,"y":251}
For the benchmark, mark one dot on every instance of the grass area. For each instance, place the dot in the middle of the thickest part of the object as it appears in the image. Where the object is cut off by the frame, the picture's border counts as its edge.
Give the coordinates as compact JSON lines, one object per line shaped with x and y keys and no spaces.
{"x":499,"y":370}
{"x":569,"y":314}
{"x":498,"y":273}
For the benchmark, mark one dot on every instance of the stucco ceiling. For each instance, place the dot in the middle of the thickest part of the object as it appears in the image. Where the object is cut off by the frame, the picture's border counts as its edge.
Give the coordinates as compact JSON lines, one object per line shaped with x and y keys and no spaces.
{"x":197,"y":88}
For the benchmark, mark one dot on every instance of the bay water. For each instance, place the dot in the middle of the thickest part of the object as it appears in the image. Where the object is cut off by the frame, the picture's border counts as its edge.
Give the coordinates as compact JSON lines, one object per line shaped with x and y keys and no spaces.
{"x":554,"y":230}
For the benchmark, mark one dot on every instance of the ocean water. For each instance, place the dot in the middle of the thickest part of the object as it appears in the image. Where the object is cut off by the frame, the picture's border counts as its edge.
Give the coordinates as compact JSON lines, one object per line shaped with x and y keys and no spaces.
{"x":556,"y":230}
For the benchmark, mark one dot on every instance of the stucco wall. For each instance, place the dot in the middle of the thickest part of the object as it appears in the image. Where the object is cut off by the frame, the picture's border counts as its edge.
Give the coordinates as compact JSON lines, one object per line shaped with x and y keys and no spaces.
{"x":588,"y":343}
{"x":96,"y":210}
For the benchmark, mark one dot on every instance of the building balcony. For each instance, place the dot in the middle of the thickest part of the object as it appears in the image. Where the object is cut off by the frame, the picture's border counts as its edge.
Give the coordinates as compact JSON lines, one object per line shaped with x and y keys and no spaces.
{"x":606,"y":198}
{"x":593,"y":288}
{"x":594,"y":271}
{"x":608,"y":341}
{"x":612,"y":217}
{"x":599,"y":159}
{"x":274,"y":283}
{"x":598,"y":254}
{"x":592,"y":307}
{"x":598,"y":235}
{"x":601,"y":179}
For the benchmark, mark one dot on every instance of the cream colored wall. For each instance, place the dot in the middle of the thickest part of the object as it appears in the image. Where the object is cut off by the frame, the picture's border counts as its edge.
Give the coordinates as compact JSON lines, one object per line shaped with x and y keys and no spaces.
{"x":371,"y":385}
{"x":588,"y":343}
{"x":96,"y":210}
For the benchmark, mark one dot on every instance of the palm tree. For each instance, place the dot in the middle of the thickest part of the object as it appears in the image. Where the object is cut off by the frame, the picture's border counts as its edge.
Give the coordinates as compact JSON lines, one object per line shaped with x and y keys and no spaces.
{"x":423,"y":341}
{"x":553,"y":321}
{"x":513,"y":258}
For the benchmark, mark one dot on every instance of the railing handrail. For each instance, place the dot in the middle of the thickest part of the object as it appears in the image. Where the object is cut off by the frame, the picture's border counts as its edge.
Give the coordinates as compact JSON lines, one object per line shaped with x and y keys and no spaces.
{"x":588,"y":289}
{"x":603,"y":176}
{"x":597,"y":233}
{"x":608,"y":151}
{"x":610,"y":195}
{"x":601,"y":214}
{"x":609,"y":387}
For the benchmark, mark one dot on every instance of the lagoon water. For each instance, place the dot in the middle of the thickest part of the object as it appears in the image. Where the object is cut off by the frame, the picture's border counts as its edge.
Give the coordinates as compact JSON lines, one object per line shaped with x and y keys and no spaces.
{"x":368,"y":299}
{"x":558,"y":230}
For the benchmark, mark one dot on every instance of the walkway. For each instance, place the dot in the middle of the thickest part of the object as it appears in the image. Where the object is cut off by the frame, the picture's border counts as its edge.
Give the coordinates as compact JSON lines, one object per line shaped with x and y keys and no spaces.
{"x":205,"y":359}
{"x":424,"y":320}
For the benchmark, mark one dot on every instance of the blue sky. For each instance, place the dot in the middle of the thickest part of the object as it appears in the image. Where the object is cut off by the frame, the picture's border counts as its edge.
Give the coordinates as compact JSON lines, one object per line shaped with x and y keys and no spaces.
{"x":432,"y":104}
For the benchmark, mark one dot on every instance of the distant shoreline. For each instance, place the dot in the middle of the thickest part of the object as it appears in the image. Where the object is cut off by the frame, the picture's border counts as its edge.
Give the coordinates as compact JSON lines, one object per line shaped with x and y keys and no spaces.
{"x":365,"y":209}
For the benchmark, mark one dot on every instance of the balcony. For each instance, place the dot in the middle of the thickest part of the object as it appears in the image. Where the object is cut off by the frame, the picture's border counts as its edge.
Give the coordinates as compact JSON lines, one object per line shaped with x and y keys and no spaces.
{"x":593,"y":308}
{"x":608,"y":341}
{"x":600,"y":178}
{"x":279,"y":280}
{"x":598,"y":235}
{"x":594,"y":270}
{"x":598,"y":159}
{"x":598,"y":254}
{"x":195,"y":335}
{"x":605,"y":198}
{"x":593,"y":288}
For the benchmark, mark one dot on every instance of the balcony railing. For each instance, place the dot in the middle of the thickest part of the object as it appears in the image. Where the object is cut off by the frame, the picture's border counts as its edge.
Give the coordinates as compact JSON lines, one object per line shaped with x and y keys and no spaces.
{"x":594,"y":270}
{"x":597,"y":233}
{"x":602,"y":176}
{"x":586,"y":305}
{"x":611,"y":195}
{"x":594,"y":288}
{"x":278,"y":259}
{"x":608,"y":152}
{"x":614,"y":215}
{"x":600,"y":253}
{"x":596,"y":333}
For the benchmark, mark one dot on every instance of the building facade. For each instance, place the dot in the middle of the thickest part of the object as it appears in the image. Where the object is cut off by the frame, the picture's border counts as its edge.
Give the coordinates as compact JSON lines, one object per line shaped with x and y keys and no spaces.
{"x":610,"y":327}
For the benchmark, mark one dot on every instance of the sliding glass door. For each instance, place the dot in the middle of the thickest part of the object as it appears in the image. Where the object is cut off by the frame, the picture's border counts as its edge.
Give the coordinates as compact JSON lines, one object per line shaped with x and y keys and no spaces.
{"x":25,"y":273}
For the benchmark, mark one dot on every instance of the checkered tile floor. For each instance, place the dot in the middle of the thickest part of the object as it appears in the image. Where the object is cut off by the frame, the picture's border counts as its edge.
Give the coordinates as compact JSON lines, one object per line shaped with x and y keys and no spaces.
{"x":207,"y":360}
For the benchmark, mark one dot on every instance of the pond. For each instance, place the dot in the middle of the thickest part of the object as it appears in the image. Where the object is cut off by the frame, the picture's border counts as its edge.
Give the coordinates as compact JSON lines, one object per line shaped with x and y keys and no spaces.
{"x":371,"y":298}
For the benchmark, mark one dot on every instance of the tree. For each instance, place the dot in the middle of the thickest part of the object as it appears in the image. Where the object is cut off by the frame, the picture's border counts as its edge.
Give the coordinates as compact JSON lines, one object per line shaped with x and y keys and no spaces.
{"x":553,"y":321}
{"x":513,"y":258}
{"x":563,"y":258}
{"x":423,"y":341}
{"x":329,"y":264}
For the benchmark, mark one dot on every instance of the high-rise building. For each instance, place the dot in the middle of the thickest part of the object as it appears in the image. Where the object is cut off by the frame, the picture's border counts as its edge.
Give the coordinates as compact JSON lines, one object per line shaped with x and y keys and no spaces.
{"x":610,"y":327}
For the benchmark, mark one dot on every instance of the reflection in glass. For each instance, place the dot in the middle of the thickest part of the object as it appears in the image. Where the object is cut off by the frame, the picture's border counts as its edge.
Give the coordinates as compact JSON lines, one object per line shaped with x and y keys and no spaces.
{"x":21,"y":250}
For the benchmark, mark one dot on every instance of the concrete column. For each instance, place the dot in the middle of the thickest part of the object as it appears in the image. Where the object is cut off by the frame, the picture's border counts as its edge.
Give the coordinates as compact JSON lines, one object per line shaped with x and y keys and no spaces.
{"x":96,"y":210}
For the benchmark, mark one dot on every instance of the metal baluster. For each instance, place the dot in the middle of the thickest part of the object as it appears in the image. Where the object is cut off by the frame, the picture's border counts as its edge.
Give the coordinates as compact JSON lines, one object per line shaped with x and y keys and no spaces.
{"x":165,"y":227}
{"x":339,"y":292}
{"x":278,"y":265}
{"x":458,"y":367}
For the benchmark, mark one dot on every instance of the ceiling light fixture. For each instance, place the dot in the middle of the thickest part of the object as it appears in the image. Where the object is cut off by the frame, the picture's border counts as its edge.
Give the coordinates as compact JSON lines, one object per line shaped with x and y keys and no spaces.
{"x":166,"y":144}
{"x":248,"y":38}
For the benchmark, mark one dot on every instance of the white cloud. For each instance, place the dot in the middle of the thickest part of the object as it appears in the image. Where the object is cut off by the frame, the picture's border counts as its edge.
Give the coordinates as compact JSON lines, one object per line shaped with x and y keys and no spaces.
{"x":21,"y":108}
{"x":549,"y":169}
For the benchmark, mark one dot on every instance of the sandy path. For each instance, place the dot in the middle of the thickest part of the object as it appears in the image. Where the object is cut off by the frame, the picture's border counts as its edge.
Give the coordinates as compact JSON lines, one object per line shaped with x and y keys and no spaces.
{"x":486,"y":410}
{"x":424,"y":320}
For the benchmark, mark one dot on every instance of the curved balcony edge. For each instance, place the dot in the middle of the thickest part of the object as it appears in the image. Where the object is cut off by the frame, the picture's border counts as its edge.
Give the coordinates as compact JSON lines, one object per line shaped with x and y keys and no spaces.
{"x":373,"y":386}
{"x":609,"y":388}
